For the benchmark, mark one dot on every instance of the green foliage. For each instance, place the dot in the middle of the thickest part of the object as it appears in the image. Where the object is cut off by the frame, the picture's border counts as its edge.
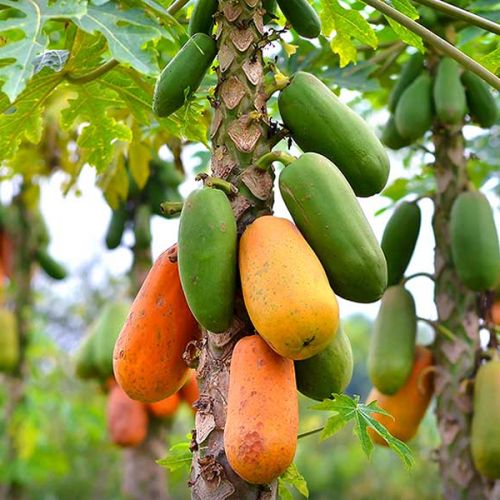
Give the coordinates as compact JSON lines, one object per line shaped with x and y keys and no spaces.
{"x":289,"y":480}
{"x":403,"y":33}
{"x":179,"y":456}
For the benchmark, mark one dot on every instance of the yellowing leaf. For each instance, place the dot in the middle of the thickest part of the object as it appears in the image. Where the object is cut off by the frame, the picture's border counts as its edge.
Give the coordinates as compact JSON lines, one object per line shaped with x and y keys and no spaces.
{"x":343,"y":46}
{"x":139,"y":155}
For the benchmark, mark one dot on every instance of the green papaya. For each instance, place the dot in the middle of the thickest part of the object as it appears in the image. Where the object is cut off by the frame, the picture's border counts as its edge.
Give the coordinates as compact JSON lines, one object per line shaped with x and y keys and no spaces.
{"x":409,"y":73}
{"x":449,"y":93}
{"x":40,"y":231}
{"x":202,"y":17}
{"x":392,"y":346}
{"x":485,"y":434}
{"x":270,"y":8}
{"x":51,"y":267}
{"x":9,"y":342}
{"x":325,"y":209}
{"x":106,"y":330}
{"x":142,"y":226}
{"x":321,"y":123}
{"x":207,"y":257}
{"x":165,"y":173}
{"x":413,"y":114}
{"x":328,"y":372}
{"x":480,"y":101}
{"x":474,"y":241}
{"x":116,"y":227}
{"x":302,"y":17}
{"x":156,"y":194}
{"x":391,"y":138}
{"x":183,"y":74}
{"x":399,"y":240}
{"x":85,"y":365}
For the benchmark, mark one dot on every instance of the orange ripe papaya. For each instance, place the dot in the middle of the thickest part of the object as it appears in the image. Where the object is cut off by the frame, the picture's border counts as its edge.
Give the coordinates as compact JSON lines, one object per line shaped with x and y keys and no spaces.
{"x":147,"y":359}
{"x":495,"y":312}
{"x":127,"y":419}
{"x":166,"y":407}
{"x":7,"y":254}
{"x":286,"y":290}
{"x":190,"y":392}
{"x":409,"y":404}
{"x":260,"y":437}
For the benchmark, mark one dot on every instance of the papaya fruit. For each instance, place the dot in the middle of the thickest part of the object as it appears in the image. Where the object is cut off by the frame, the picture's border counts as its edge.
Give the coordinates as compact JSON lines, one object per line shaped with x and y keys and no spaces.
{"x":328,"y":372}
{"x":390,"y":136}
{"x":319,"y":122}
{"x":409,"y":404}
{"x":156,"y":194}
{"x":85,"y":365}
{"x":399,"y":240}
{"x":285,"y":289}
{"x":51,"y":267}
{"x":392,"y":346}
{"x":480,"y":101}
{"x":413,"y":115}
{"x":485,"y":434}
{"x":260,"y":435}
{"x":116,"y":227}
{"x":270,"y":7}
{"x":127,"y":419}
{"x":409,"y":73}
{"x":326,"y":211}
{"x":9,"y":342}
{"x":105,"y":331}
{"x":166,"y":407}
{"x":7,"y":254}
{"x":449,"y":93}
{"x":165,"y":173}
{"x":189,"y":392}
{"x":183,"y":74}
{"x":202,"y":17}
{"x":147,"y":358}
{"x":302,"y":17}
{"x":207,"y":257}
{"x":474,"y":241}
{"x":142,"y":226}
{"x":495,"y":312}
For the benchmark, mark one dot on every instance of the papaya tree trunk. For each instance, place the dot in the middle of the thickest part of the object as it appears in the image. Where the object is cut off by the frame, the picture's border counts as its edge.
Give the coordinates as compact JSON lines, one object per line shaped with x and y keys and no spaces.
{"x":457,"y":310}
{"x":240,"y":134}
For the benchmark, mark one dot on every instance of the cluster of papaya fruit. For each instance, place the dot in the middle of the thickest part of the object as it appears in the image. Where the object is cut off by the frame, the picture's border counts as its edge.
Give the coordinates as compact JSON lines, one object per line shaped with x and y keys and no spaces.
{"x":417,"y":99}
{"x":162,"y":184}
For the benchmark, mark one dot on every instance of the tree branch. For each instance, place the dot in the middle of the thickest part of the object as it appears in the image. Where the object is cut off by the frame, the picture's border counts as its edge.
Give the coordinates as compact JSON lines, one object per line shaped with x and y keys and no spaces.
{"x":176,"y":6}
{"x":418,"y":275}
{"x":436,"y":41}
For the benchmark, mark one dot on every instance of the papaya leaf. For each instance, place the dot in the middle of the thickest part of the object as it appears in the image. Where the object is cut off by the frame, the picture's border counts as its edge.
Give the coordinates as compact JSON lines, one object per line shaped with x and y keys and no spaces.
{"x":292,"y":479}
{"x":491,"y":60}
{"x":53,"y":59}
{"x":405,"y":7}
{"x":343,"y":46}
{"x":179,"y":456}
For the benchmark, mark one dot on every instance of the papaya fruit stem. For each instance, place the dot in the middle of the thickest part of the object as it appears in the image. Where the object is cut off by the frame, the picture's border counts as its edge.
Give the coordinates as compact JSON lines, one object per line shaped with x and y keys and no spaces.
{"x":277,"y":85}
{"x":176,"y":6}
{"x":439,"y":328}
{"x":171,"y":208}
{"x":310,"y":433}
{"x":265,"y":161}
{"x":92,"y":75}
{"x":418,"y":275}
{"x":217,"y":183}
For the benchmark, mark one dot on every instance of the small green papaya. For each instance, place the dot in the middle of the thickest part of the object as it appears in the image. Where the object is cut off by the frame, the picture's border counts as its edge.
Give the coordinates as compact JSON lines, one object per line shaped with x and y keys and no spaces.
{"x":183,"y":74}
{"x":325,"y":209}
{"x":480,"y":101}
{"x":399,"y":240}
{"x":391,"y":138}
{"x":165,"y":173}
{"x":142,"y":226}
{"x":9,"y":342}
{"x":106,"y":330}
{"x":409,"y":72}
{"x":51,"y":267}
{"x":321,"y":123}
{"x":207,"y":257}
{"x":392,"y":346}
{"x":202,"y":17}
{"x":85,"y":364}
{"x":302,"y":16}
{"x":116,"y":227}
{"x":328,"y":372}
{"x":449,"y":93}
{"x":485,"y":435}
{"x":474,"y":241}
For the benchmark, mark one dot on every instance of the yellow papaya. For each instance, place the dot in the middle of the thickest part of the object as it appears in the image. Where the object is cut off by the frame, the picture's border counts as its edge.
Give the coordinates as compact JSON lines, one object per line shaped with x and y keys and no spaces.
{"x":9,"y":341}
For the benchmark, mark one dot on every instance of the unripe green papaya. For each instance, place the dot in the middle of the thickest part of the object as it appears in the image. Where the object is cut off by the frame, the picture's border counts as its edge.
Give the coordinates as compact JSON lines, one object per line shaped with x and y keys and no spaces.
{"x":202,"y":17}
{"x":399,"y":240}
{"x":391,"y":138}
{"x":482,"y":105}
{"x":9,"y":342}
{"x":142,"y":226}
{"x":485,"y":435}
{"x":328,"y":372}
{"x":325,"y":208}
{"x":302,"y":16}
{"x":409,"y":72}
{"x":183,"y":74}
{"x":321,"y":123}
{"x":474,"y":241}
{"x":39,"y":230}
{"x":156,"y":194}
{"x":51,"y":267}
{"x":270,"y":8}
{"x":449,"y":93}
{"x":207,"y":257}
{"x":85,"y":365}
{"x":413,"y":114}
{"x":392,"y":346}
{"x":116,"y":227}
{"x":106,"y":330}
{"x":165,"y":173}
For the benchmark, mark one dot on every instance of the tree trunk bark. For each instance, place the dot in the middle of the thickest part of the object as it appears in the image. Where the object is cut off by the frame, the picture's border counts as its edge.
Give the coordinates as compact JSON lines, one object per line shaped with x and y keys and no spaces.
{"x":240,"y":134}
